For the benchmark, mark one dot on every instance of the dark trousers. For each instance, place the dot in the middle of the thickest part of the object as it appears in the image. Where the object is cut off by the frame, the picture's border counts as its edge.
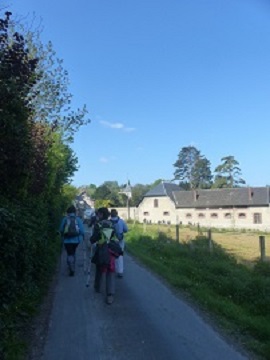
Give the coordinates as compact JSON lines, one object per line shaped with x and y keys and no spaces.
{"x":110,"y":280}
{"x":71,"y":250}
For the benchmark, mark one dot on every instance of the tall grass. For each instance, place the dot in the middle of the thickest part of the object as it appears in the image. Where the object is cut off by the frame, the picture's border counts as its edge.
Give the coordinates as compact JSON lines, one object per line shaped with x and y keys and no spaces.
{"x":238,"y":296}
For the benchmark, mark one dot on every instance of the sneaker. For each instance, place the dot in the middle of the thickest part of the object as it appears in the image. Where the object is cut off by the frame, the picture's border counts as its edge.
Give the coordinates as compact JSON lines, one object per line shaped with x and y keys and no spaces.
{"x":120,"y":275}
{"x":109,"y":299}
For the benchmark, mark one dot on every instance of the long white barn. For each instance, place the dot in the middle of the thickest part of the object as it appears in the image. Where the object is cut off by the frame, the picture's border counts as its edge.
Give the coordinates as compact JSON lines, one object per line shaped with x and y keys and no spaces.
{"x":221,"y":208}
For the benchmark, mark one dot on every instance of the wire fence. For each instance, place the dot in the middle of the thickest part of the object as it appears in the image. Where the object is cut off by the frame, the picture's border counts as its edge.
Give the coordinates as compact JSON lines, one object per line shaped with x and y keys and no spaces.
{"x":246,"y":246}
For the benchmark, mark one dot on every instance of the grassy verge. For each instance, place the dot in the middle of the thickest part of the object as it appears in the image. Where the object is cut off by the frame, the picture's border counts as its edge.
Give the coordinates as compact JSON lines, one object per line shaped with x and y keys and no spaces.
{"x":238,"y":296}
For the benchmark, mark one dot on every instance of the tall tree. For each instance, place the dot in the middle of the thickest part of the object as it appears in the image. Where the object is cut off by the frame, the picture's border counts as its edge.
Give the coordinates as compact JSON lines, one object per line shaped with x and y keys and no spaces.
{"x":201,"y":174}
{"x":228,"y":174}
{"x":50,"y":98}
{"x":192,"y":169}
{"x":17,"y":74}
{"x":102,"y":192}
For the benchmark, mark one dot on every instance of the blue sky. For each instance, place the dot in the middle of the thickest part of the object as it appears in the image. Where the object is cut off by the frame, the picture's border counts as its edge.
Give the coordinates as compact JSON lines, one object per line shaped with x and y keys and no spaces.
{"x":160,"y":75}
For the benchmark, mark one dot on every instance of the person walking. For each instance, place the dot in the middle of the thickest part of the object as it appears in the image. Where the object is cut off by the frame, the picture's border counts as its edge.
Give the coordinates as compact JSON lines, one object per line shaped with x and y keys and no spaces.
{"x":106,"y":251}
{"x":121,"y":228}
{"x":72,"y":232}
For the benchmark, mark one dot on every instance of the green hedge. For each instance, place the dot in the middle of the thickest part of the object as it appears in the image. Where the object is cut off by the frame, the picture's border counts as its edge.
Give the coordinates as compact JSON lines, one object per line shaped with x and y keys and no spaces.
{"x":28,"y":252}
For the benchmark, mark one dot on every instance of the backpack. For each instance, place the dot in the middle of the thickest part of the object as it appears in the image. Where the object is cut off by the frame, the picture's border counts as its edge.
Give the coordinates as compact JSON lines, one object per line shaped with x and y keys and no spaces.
{"x":108,"y":244}
{"x":107,"y":231}
{"x":119,"y":236}
{"x":71,"y":228}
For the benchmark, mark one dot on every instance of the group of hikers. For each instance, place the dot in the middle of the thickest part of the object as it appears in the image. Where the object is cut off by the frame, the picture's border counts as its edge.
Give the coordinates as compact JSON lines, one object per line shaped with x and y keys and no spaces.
{"x":107,"y":240}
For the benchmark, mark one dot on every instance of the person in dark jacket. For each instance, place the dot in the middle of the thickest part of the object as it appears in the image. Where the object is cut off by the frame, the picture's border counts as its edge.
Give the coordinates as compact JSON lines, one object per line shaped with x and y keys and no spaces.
{"x":104,"y":256}
{"x":71,"y":240}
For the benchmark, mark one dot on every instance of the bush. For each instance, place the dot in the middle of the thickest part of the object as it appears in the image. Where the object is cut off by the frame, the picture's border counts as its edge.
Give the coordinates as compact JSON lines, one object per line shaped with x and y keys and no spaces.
{"x":28,"y":253}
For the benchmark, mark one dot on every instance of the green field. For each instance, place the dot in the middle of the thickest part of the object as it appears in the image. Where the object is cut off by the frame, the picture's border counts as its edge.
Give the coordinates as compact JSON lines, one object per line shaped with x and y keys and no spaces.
{"x":237,"y":296}
{"x":243,"y":245}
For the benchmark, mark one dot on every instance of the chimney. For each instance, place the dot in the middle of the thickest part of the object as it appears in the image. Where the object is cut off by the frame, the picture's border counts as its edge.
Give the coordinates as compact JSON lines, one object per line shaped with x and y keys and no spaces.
{"x":195,"y":195}
{"x":250,"y":194}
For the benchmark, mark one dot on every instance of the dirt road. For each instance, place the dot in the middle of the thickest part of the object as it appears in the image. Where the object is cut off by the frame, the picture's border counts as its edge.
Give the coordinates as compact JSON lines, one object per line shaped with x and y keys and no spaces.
{"x":146,"y":321}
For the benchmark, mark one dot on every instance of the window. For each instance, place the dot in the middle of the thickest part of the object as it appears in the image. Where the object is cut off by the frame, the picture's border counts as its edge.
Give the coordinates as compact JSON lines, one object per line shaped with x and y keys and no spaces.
{"x":214,"y":215}
{"x":188,"y":215}
{"x":166,"y":213}
{"x":146,"y":213}
{"x":201,"y":215}
{"x":228,"y":216}
{"x":155,"y":203}
{"x":257,"y":218}
{"x":242,"y":216}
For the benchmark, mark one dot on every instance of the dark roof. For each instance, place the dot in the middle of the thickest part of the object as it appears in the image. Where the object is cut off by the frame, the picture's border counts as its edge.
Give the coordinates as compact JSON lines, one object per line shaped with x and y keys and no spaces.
{"x":257,"y":196}
{"x":163,"y":189}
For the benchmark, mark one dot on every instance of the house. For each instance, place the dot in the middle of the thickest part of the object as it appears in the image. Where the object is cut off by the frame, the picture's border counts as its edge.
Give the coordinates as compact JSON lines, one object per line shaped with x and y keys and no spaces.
{"x":158,"y":204}
{"x":225,"y":208}
{"x":221,"y":208}
{"x":82,"y":202}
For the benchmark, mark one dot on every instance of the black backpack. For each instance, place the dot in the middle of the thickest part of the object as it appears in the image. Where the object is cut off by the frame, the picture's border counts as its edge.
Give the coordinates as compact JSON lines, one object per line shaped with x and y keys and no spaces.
{"x":71,"y":228}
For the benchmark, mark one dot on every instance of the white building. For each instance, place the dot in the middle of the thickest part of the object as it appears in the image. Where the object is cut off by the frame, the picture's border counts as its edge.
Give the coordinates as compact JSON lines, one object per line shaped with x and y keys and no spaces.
{"x":220,"y":208}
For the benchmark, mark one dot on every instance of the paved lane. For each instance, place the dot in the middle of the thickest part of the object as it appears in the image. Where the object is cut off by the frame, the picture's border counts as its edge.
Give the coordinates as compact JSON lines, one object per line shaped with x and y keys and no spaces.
{"x":146,"y":321}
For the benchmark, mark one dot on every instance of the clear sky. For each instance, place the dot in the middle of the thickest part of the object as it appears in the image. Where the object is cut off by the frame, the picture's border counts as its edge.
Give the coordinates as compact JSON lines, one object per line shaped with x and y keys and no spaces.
{"x":159,"y":75}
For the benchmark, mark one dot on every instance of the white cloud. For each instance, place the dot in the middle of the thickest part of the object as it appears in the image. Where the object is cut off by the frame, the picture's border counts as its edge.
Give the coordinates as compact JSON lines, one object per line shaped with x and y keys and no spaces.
{"x":105,"y":160}
{"x":112,"y":125}
{"x":129,"y":129}
{"x":119,"y":126}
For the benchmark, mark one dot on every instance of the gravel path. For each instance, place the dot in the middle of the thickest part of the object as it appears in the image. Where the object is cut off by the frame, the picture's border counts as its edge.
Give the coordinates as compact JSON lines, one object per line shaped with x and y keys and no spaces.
{"x":146,"y":321}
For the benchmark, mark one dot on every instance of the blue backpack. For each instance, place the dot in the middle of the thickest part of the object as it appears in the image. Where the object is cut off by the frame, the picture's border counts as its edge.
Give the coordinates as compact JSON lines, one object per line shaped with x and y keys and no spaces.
{"x":119,"y":236}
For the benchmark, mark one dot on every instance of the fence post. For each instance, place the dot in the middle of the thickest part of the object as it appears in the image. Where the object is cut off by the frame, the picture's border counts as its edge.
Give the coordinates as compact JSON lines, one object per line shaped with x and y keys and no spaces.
{"x":210,"y":242}
{"x":262,"y":247}
{"x":177,"y":232}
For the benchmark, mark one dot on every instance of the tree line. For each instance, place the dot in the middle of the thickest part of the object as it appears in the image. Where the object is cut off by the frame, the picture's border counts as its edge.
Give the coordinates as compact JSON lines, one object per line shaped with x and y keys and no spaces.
{"x":109,"y":193}
{"x":193,"y":171}
{"x":37,"y":126}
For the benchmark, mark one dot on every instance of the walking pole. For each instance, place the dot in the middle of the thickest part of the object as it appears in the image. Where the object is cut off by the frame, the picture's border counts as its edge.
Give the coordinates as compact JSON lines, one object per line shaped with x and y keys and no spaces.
{"x":89,"y":268}
{"x":61,"y":250}
{"x":84,"y":255}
